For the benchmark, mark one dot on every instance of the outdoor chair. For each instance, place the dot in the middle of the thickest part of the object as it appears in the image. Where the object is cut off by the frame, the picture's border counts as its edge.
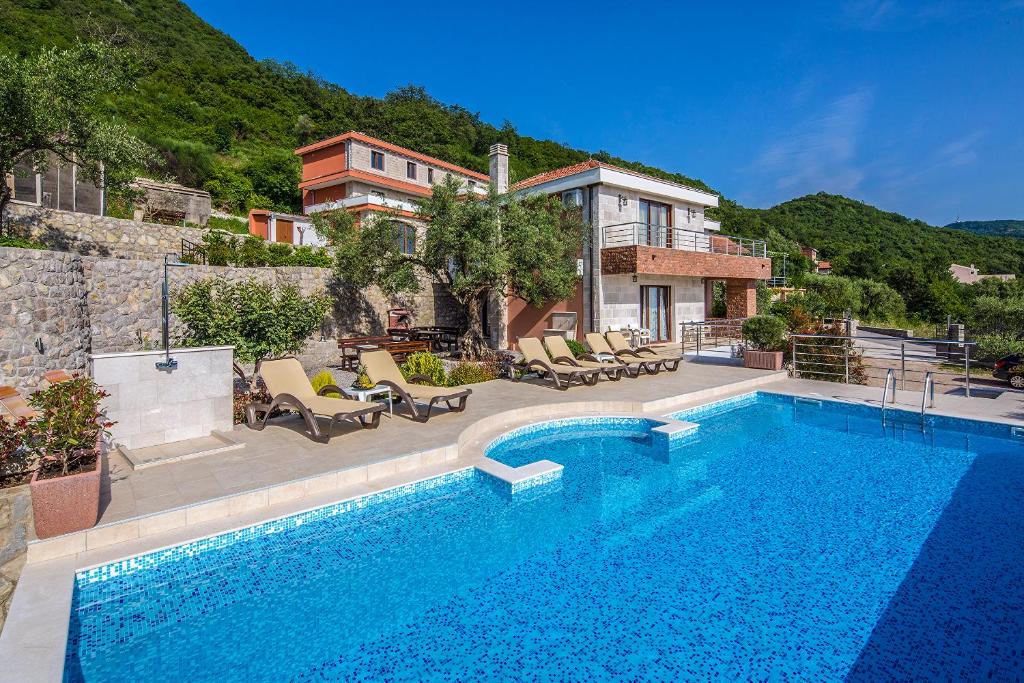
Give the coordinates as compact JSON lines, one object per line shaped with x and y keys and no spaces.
{"x":51,"y":377}
{"x":560,"y":374}
{"x":289,"y":387}
{"x":599,"y":347}
{"x":561,"y":353}
{"x":381,"y":369}
{"x":621,"y":347}
{"x":13,"y":405}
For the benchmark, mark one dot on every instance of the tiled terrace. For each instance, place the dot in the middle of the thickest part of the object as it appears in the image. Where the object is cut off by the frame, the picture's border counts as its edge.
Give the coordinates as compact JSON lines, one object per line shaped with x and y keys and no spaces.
{"x":282,"y":453}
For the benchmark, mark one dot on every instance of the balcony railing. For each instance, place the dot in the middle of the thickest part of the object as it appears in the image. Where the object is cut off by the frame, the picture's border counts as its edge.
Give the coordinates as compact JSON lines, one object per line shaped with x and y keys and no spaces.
{"x":648,"y":235}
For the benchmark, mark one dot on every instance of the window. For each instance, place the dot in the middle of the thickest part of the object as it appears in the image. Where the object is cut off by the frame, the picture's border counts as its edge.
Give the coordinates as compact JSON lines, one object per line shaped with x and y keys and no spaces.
{"x":377,"y":160}
{"x":406,"y":235}
{"x":656,"y":221}
{"x":410,"y":170}
{"x":572,"y":198}
{"x":430,"y":176}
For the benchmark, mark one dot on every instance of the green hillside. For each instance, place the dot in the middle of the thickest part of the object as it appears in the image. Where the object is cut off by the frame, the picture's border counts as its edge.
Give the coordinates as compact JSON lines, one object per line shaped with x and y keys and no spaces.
{"x":226,"y":122}
{"x":1004,"y":228}
{"x":865,"y":241}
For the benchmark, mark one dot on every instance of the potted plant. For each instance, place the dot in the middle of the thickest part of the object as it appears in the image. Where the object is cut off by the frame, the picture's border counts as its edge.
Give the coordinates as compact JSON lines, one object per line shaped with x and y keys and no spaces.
{"x":66,"y":437}
{"x":766,"y":337}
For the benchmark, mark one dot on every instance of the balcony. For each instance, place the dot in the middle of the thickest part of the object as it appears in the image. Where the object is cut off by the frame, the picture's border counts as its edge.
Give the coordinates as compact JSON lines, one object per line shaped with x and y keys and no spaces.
{"x":663,"y":250}
{"x":362,"y":200}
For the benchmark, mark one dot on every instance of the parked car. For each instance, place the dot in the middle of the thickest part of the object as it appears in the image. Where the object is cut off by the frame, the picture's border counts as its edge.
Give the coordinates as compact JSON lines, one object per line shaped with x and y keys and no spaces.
{"x":1010,"y":369}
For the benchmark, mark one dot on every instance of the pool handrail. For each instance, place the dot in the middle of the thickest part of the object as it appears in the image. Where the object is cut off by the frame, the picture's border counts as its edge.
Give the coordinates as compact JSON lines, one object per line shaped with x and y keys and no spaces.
{"x":929,"y":387}
{"x":890,"y":385}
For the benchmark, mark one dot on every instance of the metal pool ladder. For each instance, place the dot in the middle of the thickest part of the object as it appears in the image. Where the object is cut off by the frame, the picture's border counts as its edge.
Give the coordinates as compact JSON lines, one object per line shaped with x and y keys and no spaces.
{"x":890,"y":387}
{"x":927,"y":393}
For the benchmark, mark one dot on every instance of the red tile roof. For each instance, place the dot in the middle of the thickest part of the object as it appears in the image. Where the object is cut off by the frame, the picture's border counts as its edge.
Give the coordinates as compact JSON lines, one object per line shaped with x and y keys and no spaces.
{"x":377,"y":142}
{"x":587,"y":165}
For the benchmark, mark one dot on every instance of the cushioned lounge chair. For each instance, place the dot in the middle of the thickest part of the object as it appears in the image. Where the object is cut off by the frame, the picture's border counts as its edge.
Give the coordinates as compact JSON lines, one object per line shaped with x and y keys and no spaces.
{"x":560,"y":374}
{"x":599,"y":346}
{"x":290,"y":388}
{"x":381,"y":369}
{"x":13,"y":405}
{"x":621,"y":347}
{"x":561,"y":353}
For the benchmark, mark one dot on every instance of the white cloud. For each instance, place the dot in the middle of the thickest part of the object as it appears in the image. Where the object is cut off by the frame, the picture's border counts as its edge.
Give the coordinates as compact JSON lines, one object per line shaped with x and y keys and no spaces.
{"x":821,"y":152}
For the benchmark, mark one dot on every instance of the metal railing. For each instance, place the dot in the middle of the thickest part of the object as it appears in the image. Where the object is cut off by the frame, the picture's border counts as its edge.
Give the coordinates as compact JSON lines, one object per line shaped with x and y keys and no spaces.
{"x":777,"y":281}
{"x":929,"y":386}
{"x":649,"y":235}
{"x":846,"y":358}
{"x":701,"y":335}
{"x":193,"y":252}
{"x":890,"y":386}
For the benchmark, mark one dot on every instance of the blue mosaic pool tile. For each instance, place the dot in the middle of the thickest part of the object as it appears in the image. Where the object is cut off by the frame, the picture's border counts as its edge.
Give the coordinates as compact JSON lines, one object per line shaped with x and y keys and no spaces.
{"x":790,"y":541}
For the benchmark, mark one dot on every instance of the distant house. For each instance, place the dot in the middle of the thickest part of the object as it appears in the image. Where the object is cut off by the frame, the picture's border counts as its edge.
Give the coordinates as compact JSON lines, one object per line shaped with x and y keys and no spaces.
{"x":60,"y":187}
{"x":289,"y":228}
{"x":969,"y":274}
{"x":820,"y":267}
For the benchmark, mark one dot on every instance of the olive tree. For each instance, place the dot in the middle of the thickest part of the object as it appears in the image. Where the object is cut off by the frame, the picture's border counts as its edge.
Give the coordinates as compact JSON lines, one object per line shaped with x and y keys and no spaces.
{"x":503,"y":244}
{"x":53,"y":103}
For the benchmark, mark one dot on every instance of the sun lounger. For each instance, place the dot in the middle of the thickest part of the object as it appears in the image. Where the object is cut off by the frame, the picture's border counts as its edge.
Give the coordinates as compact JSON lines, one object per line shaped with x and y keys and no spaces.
{"x":599,"y":346}
{"x":560,"y":374}
{"x":13,"y":405}
{"x":561,"y":353}
{"x":381,"y":369}
{"x":51,"y":377}
{"x":289,"y":387}
{"x":621,"y":347}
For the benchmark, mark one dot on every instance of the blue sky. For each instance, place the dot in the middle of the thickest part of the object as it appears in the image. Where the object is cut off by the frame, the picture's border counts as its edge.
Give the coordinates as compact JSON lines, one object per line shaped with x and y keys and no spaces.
{"x":916,"y":107}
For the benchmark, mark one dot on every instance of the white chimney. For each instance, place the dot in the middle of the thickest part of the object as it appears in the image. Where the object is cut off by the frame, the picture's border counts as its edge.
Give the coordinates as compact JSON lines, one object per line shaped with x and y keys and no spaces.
{"x":499,"y":166}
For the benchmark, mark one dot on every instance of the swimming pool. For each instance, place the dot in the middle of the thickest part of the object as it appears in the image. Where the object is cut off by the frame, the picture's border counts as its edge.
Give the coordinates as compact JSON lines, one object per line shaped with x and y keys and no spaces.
{"x":783,"y":538}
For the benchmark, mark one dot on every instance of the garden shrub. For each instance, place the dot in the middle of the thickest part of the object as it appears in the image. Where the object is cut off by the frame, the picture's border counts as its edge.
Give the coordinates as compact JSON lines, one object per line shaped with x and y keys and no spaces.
{"x":68,"y":421}
{"x":20,"y":243}
{"x":765,"y":332}
{"x":16,"y":460}
{"x":992,"y":347}
{"x":472,"y":373}
{"x":255,"y":318}
{"x":426,"y":364}
{"x":252,"y":251}
{"x":577,"y":347}
{"x":322,"y":379}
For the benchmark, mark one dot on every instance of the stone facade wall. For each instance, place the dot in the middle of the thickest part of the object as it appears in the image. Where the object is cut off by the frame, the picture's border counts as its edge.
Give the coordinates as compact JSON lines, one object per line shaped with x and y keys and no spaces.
{"x":44,"y":320}
{"x":15,"y":528}
{"x":58,"y":307}
{"x":662,"y":261}
{"x":622,"y":300}
{"x":99,"y":235}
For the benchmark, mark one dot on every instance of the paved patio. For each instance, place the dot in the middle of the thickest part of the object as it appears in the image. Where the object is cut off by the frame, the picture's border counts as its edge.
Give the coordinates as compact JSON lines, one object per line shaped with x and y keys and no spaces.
{"x":282,"y":453}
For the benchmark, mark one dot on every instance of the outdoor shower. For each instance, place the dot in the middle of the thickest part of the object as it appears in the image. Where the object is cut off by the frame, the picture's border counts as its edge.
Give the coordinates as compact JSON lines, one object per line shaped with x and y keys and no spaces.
{"x":167,"y":363}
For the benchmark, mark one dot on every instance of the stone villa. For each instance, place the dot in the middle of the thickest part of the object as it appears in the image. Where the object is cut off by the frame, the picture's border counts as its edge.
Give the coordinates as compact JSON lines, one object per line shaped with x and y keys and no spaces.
{"x":651,"y":262}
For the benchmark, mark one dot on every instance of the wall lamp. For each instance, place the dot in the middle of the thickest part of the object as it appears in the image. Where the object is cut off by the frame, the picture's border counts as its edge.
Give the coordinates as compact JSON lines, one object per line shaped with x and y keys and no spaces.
{"x":634,"y":277}
{"x":167,"y":363}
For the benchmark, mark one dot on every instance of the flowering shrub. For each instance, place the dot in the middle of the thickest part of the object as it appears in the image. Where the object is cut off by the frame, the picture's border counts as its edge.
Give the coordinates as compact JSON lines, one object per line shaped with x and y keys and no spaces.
{"x":472,"y":373}
{"x":69,"y":420}
{"x":426,"y":364}
{"x":16,"y":459}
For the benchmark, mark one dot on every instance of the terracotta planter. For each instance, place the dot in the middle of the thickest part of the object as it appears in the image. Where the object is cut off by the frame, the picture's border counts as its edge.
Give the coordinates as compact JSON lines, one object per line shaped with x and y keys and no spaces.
{"x":64,"y":504}
{"x":763,"y":360}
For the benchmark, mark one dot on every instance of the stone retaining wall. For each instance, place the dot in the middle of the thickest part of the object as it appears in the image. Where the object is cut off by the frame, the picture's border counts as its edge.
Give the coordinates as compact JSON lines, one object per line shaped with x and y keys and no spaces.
{"x":15,"y":528}
{"x":58,"y":307}
{"x":91,"y":235}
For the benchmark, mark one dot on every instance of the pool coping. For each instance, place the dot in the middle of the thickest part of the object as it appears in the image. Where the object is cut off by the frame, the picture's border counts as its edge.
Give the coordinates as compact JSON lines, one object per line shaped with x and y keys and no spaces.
{"x":34,"y":637}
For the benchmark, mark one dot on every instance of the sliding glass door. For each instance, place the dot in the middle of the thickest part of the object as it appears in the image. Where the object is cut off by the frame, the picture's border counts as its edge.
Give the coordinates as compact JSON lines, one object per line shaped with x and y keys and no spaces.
{"x":655,"y":311}
{"x":656,"y":219}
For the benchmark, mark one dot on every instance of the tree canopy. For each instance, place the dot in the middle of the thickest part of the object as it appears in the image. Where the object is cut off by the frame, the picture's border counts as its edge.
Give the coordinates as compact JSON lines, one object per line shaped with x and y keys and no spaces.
{"x":501,"y":245}
{"x":50,"y":104}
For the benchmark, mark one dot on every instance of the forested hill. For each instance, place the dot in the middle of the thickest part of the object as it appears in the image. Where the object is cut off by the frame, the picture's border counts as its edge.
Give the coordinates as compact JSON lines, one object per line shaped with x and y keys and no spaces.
{"x":865,"y":241}
{"x":1004,"y":228}
{"x":223,"y":121}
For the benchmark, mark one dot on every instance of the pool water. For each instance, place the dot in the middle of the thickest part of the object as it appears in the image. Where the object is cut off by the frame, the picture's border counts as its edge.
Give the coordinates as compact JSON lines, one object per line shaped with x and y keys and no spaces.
{"x":785,"y":540}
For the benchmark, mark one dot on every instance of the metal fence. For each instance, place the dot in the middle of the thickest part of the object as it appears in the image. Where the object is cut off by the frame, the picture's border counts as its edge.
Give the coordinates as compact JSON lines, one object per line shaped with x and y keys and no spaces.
{"x":867,"y":359}
{"x":702,"y":335}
